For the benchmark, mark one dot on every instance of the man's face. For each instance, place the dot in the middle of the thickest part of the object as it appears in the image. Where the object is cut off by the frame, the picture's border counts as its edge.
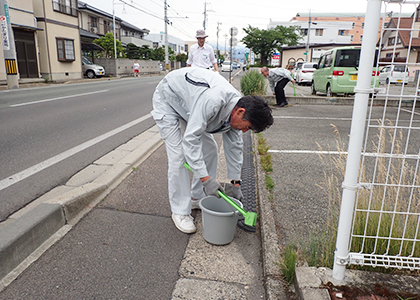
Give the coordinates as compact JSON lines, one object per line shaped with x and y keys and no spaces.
{"x":201,"y":41}
{"x":237,"y":121}
{"x":264,"y":72}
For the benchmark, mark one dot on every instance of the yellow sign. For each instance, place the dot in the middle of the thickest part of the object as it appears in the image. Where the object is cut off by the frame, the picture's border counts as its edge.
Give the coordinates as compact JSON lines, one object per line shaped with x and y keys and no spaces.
{"x":11,"y":68}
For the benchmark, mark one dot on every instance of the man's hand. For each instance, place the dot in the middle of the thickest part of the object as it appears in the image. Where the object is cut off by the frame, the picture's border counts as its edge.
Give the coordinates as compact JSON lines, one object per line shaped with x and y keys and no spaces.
{"x":211,"y":187}
{"x":236,"y":192}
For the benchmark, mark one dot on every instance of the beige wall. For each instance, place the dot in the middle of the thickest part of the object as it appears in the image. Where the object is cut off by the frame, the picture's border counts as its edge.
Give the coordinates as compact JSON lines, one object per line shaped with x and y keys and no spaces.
{"x":57,"y":25}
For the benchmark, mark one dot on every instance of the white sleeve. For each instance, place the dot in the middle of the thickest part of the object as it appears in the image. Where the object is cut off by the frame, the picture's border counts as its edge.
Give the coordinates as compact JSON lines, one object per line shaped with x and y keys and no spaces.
{"x":233,"y":148}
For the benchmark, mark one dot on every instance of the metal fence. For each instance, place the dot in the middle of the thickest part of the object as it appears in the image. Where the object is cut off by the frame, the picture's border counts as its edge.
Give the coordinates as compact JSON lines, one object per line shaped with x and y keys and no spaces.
{"x":379,"y":223}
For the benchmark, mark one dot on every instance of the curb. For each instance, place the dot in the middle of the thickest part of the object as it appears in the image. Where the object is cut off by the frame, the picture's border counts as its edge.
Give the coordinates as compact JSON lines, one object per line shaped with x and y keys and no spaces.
{"x":273,"y":284}
{"x":26,"y":231}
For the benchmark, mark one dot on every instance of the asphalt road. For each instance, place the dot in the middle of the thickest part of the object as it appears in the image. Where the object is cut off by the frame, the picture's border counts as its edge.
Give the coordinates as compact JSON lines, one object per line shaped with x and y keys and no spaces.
{"x":50,"y":133}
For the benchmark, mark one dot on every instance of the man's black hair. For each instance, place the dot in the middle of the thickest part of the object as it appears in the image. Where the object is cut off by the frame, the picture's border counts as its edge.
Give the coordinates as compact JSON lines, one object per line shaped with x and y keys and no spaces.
{"x":258,"y":113}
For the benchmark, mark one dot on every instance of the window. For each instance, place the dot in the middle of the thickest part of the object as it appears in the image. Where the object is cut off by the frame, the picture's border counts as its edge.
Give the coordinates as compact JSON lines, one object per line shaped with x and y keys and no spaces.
{"x":351,"y":38}
{"x":319,"y":32}
{"x":65,"y":49}
{"x":352,"y":25}
{"x":363,"y":25}
{"x":391,"y":40}
{"x":341,"y":32}
{"x":361,"y":38}
{"x":68,"y":7}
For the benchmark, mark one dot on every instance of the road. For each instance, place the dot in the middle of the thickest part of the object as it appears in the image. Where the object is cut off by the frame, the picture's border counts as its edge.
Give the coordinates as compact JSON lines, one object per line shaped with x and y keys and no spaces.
{"x":50,"y":133}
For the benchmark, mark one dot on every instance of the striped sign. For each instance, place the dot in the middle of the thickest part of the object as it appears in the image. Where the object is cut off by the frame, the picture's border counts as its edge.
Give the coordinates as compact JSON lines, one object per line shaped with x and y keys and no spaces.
{"x":11,"y":68}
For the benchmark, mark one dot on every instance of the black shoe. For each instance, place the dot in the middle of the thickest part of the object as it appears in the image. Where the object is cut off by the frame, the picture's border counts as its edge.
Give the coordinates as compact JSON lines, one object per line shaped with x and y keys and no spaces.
{"x":282,"y":104}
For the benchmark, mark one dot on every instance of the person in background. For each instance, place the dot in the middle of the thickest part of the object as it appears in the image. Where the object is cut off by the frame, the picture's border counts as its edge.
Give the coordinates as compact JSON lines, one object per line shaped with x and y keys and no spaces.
{"x":203,"y":103}
{"x":201,"y":55}
{"x":136,"y":68}
{"x":278,"y":78}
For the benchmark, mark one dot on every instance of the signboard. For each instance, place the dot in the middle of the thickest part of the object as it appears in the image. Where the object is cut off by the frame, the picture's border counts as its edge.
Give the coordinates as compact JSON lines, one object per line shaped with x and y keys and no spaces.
{"x":4,"y":33}
{"x":275,"y":59}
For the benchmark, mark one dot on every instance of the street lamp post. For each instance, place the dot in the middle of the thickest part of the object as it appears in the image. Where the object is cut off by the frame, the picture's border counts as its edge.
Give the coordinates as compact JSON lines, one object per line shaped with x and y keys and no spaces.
{"x":113,"y":21}
{"x":309,"y":33}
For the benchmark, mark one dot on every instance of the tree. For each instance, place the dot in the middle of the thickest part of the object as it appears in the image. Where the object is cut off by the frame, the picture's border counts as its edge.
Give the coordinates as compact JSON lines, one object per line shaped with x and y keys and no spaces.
{"x":159,"y":54}
{"x":266,"y":42}
{"x":107,"y":42}
{"x":182,"y":57}
{"x":145,"y":52}
{"x":132,"y":51}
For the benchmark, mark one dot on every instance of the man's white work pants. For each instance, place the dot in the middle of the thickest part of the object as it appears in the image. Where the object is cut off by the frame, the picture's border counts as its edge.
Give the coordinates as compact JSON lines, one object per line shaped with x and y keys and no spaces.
{"x":179,"y":188}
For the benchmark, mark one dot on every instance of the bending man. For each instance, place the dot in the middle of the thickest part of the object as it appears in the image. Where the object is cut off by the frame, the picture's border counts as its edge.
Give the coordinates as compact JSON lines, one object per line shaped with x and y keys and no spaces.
{"x":204,"y":103}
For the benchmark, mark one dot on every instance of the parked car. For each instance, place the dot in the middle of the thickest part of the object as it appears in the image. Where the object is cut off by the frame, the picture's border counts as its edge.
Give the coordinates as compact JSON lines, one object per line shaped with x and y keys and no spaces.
{"x":337,"y":71}
{"x":394,"y":74}
{"x":90,"y":70}
{"x":234,"y":65}
{"x":305,"y":72}
{"x":226,"y":66}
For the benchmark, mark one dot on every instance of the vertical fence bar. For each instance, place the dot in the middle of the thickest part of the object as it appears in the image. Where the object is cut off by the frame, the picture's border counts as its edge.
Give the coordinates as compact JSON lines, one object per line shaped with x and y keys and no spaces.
{"x":361,"y":99}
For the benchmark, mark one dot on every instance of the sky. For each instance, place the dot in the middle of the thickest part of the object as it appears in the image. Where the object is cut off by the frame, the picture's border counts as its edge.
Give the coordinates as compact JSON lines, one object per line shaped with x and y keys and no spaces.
{"x":186,"y":16}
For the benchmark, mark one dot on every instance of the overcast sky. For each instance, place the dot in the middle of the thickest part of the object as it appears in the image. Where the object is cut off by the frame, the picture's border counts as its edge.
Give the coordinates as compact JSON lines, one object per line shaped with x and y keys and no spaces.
{"x":238,"y":13}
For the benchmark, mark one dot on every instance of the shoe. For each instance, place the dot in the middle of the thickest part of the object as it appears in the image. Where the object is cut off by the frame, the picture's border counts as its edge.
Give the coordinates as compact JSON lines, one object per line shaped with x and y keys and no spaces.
{"x":195,"y":204}
{"x":282,"y":104}
{"x":184,"y":223}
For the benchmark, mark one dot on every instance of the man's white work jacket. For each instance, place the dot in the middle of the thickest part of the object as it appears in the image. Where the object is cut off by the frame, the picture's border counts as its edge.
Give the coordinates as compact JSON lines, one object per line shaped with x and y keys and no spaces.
{"x":205,"y":100}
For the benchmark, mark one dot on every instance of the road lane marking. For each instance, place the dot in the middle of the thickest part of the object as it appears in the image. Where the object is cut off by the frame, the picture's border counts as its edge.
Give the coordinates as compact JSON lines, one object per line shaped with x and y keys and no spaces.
{"x":58,"y":98}
{"x":311,"y":118}
{"x":306,"y":152}
{"x":10,"y":180}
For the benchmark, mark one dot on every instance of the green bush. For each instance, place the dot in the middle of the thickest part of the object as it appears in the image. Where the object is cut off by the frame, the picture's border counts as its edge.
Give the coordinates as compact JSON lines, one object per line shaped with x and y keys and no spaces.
{"x":253,"y":83}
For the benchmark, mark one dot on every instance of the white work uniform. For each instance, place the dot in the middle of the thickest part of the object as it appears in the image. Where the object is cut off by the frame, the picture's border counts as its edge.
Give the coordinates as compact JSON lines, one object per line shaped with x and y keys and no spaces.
{"x":204,"y":101}
{"x":201,"y":57}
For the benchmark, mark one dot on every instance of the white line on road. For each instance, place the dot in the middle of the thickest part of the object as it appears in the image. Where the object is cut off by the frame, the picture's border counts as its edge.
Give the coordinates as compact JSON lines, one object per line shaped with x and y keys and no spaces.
{"x":58,"y":98}
{"x":311,"y":118}
{"x":10,"y":180}
{"x":306,"y":152}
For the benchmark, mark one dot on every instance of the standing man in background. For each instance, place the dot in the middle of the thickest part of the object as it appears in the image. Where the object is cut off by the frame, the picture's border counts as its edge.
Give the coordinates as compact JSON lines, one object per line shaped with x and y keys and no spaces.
{"x":278,"y":78}
{"x":136,"y":68}
{"x":201,"y":55}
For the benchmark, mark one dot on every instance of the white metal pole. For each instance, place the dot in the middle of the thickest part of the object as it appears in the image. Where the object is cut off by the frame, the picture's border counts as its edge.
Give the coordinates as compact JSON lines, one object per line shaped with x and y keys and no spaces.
{"x":361,"y":99}
{"x":115,"y":37}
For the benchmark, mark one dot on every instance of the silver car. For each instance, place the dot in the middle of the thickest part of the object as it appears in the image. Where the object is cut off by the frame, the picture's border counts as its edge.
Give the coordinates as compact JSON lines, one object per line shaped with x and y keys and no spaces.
{"x":90,"y":70}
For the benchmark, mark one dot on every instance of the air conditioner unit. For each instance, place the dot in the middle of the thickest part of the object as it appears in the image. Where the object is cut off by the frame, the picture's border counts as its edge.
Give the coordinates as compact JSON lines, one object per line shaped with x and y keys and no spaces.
{"x":94,"y":29}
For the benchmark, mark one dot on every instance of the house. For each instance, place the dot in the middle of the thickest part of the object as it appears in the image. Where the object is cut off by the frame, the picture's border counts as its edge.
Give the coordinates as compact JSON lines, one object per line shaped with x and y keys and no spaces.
{"x":59,"y":39}
{"x":134,"y":35}
{"x":315,"y":35}
{"x":400,"y":43}
{"x":47,"y":39}
{"x":176,"y":44}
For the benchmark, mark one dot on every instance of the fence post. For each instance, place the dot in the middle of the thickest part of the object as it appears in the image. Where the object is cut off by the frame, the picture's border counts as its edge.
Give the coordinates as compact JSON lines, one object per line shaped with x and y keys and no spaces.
{"x":361,"y":99}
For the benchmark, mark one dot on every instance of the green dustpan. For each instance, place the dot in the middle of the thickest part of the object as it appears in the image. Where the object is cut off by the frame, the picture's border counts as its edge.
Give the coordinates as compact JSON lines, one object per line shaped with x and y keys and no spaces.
{"x":250,"y":217}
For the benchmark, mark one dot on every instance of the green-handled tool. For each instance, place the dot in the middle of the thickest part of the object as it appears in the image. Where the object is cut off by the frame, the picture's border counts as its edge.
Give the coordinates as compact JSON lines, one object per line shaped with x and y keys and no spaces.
{"x":294,"y":90}
{"x":250,"y":217}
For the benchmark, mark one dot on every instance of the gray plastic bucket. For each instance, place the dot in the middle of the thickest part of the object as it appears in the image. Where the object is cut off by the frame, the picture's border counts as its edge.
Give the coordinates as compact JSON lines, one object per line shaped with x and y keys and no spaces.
{"x":219,"y":220}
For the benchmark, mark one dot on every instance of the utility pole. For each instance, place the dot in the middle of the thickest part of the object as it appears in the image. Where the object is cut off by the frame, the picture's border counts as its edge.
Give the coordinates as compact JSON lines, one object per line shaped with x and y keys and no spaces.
{"x":205,"y":16}
{"x":309,"y":33}
{"x":166,"y":39}
{"x":225,"y":45}
{"x":217,"y":47}
{"x":8,"y":42}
